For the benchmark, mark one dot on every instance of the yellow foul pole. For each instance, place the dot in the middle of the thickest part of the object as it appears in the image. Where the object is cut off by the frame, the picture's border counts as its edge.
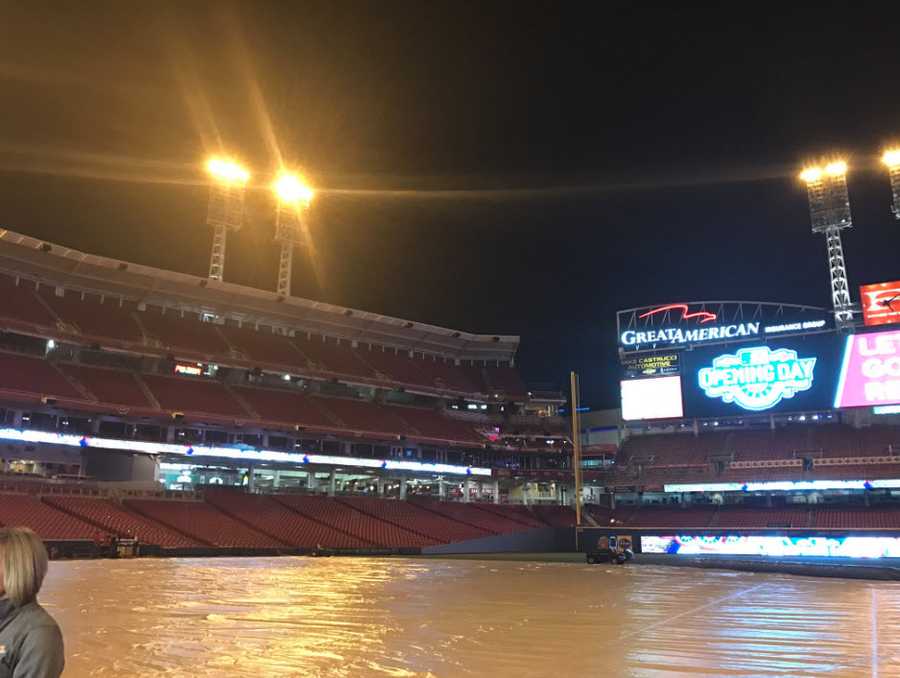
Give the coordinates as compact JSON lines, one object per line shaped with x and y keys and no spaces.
{"x":576,"y":446}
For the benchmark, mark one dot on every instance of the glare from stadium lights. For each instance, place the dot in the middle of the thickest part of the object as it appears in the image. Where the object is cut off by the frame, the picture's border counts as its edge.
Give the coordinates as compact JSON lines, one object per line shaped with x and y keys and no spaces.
{"x":227,"y":171}
{"x":811,"y":174}
{"x":292,"y":189}
{"x":838,"y":168}
{"x":891,"y":157}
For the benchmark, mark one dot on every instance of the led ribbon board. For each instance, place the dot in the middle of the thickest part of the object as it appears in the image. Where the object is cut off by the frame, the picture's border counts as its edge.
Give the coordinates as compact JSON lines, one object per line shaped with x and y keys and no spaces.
{"x":774,"y":546}
{"x":244,"y":453}
{"x":757,"y":378}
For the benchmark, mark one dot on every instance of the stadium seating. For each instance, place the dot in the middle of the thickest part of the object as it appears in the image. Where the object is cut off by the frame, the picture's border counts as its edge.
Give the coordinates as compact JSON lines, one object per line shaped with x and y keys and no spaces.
{"x":348,"y":520}
{"x":280,"y":522}
{"x":20,"y":304}
{"x":116,"y":387}
{"x":50,"y":523}
{"x":555,"y":516}
{"x":361,"y":415}
{"x":35,"y":376}
{"x":432,"y":424}
{"x":331,"y":356}
{"x":411,"y":517}
{"x":183,"y":334}
{"x":103,"y":322}
{"x":396,"y":367}
{"x":116,"y":519}
{"x":287,"y":406}
{"x":506,"y":380}
{"x":470,"y":514}
{"x":194,"y":395}
{"x":202,"y":522}
{"x":263,"y":347}
{"x":515,"y":513}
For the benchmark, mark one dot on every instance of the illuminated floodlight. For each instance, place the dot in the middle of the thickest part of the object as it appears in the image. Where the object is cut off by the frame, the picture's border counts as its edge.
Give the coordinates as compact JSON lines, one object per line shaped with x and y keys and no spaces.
{"x":829,"y":211}
{"x":811,"y":174}
{"x":292,"y":189}
{"x":294,"y":196}
{"x":838,"y":168}
{"x":227,"y":170}
{"x":891,"y":158}
{"x":226,"y":207}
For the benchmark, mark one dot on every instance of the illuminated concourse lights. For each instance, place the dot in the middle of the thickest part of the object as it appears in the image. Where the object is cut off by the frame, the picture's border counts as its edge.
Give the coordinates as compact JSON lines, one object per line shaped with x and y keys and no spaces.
{"x":829,"y":211}
{"x":891,"y":159}
{"x":226,"y":207}
{"x":293,"y":196}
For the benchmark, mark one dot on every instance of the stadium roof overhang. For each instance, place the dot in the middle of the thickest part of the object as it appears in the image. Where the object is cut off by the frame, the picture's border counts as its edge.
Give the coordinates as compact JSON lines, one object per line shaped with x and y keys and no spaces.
{"x":60,"y":266}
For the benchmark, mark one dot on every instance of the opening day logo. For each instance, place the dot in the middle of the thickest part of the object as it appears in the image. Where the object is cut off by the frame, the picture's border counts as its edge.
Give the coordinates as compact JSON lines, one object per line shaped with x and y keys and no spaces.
{"x":757,"y":378}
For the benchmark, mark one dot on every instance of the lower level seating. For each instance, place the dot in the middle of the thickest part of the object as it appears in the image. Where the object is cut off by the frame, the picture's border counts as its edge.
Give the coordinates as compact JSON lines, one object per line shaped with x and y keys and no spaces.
{"x":556,"y":516}
{"x":347,"y":519}
{"x":273,"y":518}
{"x":49,"y":523}
{"x":203,"y":522}
{"x":515,"y":513}
{"x":412,"y":517}
{"x":116,"y":519}
{"x":470,"y":514}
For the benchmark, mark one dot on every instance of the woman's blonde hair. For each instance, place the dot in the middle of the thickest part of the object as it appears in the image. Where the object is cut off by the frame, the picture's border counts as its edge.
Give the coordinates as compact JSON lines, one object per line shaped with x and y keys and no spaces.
{"x":24,"y":561}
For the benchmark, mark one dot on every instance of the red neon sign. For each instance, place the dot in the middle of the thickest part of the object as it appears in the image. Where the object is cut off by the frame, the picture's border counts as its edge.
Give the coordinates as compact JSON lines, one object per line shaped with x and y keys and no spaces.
{"x":881,"y":303}
{"x":704,"y":316}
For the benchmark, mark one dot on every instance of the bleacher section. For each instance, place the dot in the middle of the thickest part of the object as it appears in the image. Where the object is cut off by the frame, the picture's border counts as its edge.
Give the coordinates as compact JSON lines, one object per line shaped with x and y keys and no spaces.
{"x":36,"y":377}
{"x":105,"y":321}
{"x":48,"y":522}
{"x":416,"y":519}
{"x":186,"y":336}
{"x":826,"y":451}
{"x":203,"y":396}
{"x":116,"y":519}
{"x":19,"y":303}
{"x":203,"y":522}
{"x":117,"y":322}
{"x":345,"y":518}
{"x":470,"y":514}
{"x":268,"y":516}
{"x":117,"y":387}
{"x":29,"y":379}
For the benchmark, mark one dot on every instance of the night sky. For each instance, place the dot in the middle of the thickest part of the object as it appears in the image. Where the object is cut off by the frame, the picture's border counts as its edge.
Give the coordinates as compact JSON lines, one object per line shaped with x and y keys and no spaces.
{"x":497,"y":168}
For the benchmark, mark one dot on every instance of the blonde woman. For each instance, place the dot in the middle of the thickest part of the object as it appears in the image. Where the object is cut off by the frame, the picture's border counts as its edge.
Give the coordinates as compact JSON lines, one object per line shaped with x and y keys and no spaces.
{"x":31,"y":644}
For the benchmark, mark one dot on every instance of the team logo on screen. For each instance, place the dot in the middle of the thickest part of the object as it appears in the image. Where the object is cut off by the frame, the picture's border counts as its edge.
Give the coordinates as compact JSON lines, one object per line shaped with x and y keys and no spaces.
{"x":757,"y":378}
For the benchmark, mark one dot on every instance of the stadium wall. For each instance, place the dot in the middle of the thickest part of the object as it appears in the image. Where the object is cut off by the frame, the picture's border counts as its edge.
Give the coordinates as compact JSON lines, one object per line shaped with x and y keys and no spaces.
{"x":538,"y":540}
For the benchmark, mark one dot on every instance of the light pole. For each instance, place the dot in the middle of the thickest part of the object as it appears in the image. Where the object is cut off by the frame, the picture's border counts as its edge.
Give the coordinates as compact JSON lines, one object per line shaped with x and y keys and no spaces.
{"x":226,"y":207}
{"x":891,"y":159}
{"x":829,"y":211}
{"x":294,"y":196}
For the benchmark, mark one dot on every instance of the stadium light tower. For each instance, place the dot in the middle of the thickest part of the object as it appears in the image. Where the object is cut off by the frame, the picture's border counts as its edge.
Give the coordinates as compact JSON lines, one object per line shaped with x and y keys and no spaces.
{"x":294,"y":196}
{"x":226,"y":207}
{"x":891,"y":159}
{"x":829,"y":210}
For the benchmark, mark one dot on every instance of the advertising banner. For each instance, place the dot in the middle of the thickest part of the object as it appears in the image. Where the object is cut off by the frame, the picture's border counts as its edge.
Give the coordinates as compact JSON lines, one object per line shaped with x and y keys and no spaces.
{"x":881,"y":303}
{"x":870,"y":370}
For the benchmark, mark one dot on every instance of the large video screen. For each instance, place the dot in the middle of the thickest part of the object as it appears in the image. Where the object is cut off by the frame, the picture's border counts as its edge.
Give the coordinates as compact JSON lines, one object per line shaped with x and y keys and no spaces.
{"x":795,"y":374}
{"x":658,"y":398}
{"x":870,"y":370}
{"x":777,"y":546}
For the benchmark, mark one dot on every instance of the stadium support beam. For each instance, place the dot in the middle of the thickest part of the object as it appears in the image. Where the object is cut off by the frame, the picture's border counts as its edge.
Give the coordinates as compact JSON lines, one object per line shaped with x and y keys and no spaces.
{"x":294,"y":196}
{"x":829,"y":211}
{"x":226,"y":208}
